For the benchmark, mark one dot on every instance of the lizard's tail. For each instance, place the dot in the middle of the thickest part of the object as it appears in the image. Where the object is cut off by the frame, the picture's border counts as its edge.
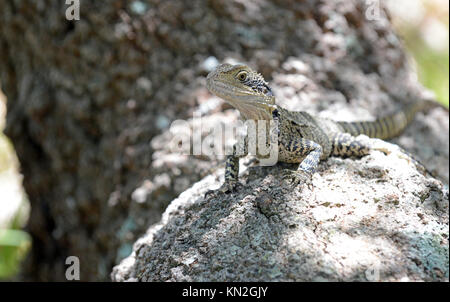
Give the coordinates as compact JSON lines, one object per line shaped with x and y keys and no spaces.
{"x":388,"y":126}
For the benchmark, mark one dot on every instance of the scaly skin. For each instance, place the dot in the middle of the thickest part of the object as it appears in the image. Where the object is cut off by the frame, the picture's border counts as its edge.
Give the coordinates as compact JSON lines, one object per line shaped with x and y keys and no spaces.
{"x":302,"y":138}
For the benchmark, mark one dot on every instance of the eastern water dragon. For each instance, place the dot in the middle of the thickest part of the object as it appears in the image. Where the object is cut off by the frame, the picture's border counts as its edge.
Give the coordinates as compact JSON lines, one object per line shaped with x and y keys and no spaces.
{"x":301,"y":137}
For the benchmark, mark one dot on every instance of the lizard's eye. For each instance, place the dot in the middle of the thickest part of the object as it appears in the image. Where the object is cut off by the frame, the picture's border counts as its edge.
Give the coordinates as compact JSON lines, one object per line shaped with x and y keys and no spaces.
{"x":242,"y":76}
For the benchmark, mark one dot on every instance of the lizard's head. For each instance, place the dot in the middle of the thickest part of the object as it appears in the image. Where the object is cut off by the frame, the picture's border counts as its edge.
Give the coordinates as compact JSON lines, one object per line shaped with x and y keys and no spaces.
{"x":243,"y":88}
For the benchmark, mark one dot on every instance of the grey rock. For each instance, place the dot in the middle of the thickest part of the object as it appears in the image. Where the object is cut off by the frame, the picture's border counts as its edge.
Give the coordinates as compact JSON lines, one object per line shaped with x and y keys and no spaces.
{"x":371,"y":219}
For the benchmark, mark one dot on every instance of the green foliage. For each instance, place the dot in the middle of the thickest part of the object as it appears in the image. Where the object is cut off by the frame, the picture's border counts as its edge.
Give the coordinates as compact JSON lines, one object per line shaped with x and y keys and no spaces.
{"x":433,"y":69}
{"x":14,"y":245}
{"x":426,"y":39}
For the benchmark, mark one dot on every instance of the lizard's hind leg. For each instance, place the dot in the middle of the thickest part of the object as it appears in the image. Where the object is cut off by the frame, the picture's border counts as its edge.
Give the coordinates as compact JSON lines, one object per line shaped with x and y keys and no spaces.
{"x":346,"y":145}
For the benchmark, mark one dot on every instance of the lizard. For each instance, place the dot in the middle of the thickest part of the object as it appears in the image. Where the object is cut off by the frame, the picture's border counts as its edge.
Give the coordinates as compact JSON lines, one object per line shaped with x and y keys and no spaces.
{"x":302,"y":138}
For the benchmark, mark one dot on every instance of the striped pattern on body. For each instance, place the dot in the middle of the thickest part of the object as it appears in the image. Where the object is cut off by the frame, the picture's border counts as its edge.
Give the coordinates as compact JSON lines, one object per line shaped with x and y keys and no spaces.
{"x":386,"y":127}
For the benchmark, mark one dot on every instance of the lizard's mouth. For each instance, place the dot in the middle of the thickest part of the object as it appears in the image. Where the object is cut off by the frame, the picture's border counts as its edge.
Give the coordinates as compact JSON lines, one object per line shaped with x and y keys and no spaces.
{"x":227,"y":92}
{"x":251,"y":104}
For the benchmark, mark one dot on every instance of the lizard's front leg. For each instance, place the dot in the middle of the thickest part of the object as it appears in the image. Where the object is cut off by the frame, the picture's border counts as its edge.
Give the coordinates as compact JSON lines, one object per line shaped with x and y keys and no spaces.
{"x":297,"y":149}
{"x":232,"y":168}
{"x":231,"y":174}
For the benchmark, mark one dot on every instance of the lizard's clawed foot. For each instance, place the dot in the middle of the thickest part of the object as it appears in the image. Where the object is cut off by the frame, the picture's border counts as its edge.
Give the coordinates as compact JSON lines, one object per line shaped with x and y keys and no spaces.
{"x":226,"y":188}
{"x":296,"y":177}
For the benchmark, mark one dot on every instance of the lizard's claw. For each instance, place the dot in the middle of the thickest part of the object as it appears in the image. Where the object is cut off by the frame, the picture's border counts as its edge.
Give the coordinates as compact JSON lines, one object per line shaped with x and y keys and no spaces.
{"x":226,"y":188}
{"x":296,"y":177}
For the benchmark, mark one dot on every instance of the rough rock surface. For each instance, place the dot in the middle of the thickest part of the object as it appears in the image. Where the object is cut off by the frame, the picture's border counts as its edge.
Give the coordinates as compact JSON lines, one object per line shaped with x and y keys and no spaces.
{"x":359,"y":220}
{"x":90,"y":103}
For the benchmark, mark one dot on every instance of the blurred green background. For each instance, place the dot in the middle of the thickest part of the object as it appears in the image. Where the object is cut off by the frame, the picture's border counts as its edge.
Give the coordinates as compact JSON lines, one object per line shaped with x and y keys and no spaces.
{"x":422,"y":24}
{"x":14,"y":206}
